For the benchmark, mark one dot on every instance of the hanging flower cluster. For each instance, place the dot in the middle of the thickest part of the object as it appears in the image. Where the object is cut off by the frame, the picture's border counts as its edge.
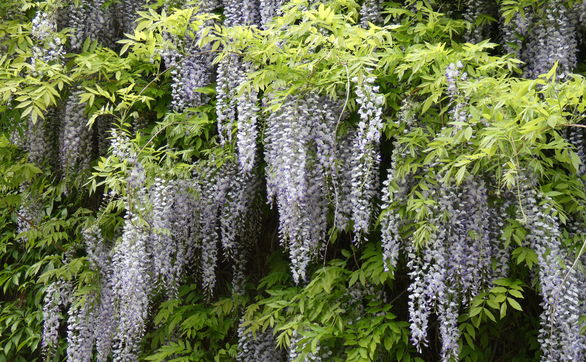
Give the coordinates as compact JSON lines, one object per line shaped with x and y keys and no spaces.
{"x":232,"y":108}
{"x":241,"y":12}
{"x":515,"y":31}
{"x":191,"y":66}
{"x":297,"y":345}
{"x":126,"y":12}
{"x":454,"y":266}
{"x":90,"y":319}
{"x":90,"y":19}
{"x":370,"y":12}
{"x":259,"y":347}
{"x":80,"y":329}
{"x":48,"y":47}
{"x":56,"y":299}
{"x":228,"y":78}
{"x":552,"y":40}
{"x":163,"y":243}
{"x":394,"y":189}
{"x":239,"y":224}
{"x":342,"y":176}
{"x":549,"y":35}
{"x":268,"y":9}
{"x":559,"y":336}
{"x":366,"y":155}
{"x":248,"y":111}
{"x":299,"y":155}
{"x":132,"y":264}
{"x":501,"y":251}
{"x":314,"y":171}
{"x":157,"y":242}
{"x":104,"y":314}
{"x":473,"y":10}
{"x":75,"y":148}
{"x":213,"y":189}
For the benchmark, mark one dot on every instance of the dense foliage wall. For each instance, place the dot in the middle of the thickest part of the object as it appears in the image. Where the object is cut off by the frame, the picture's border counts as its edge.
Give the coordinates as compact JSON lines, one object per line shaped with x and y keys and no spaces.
{"x":268,"y":180}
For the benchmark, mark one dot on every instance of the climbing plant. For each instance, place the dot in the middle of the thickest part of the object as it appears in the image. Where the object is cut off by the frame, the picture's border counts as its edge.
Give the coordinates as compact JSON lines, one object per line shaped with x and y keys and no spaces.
{"x":303,"y":180}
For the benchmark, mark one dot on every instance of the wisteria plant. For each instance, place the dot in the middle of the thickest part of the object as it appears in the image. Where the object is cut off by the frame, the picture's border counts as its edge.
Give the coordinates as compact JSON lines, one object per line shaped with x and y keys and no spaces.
{"x":300,"y":180}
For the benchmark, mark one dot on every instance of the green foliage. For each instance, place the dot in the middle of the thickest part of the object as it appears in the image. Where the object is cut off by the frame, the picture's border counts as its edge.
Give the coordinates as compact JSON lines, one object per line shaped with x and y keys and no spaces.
{"x":202,"y":331}
{"x":335,"y":310}
{"x":489,"y":315}
{"x":350,"y":304}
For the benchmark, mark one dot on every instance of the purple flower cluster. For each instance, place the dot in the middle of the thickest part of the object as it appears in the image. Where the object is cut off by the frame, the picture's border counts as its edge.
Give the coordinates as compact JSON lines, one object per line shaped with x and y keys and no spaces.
{"x":549,"y":35}
{"x":37,"y":143}
{"x":342,"y":181}
{"x":268,"y":9}
{"x":419,"y":304}
{"x":454,"y":265}
{"x":297,"y":175}
{"x":501,"y":251}
{"x":154,"y":247}
{"x":195,"y":72}
{"x":286,"y":153}
{"x":183,"y":228}
{"x":103,"y":322}
{"x":257,"y":347}
{"x":228,"y":77}
{"x":241,"y":12}
{"x":126,"y":14}
{"x":130,"y":276}
{"x":120,"y":145}
{"x":448,"y":314}
{"x":559,"y":335}
{"x":47,"y":46}
{"x":90,"y":19}
{"x":213,"y":188}
{"x":233,"y":108}
{"x":30,"y":211}
{"x":366,"y":155}
{"x":236,"y":216}
{"x":191,"y":67}
{"x":163,"y":243}
{"x":429,"y":287}
{"x":473,"y":10}
{"x":553,"y":38}
{"x":75,"y":147}
{"x":164,"y":227}
{"x":227,"y":216}
{"x":371,"y":12}
{"x":297,"y":345}
{"x":453,"y":75}
{"x":132,"y":285}
{"x":514,"y":32}
{"x":81,"y":329}
{"x":57,"y":298}
{"x":394,"y":190}
{"x":247,"y":109}
{"x":469,"y":241}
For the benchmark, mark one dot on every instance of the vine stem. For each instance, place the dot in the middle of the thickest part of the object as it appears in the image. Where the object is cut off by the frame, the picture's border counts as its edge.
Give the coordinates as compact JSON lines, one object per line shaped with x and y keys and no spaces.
{"x":20,"y":216}
{"x":575,"y":261}
{"x":36,"y":227}
{"x":574,"y":125}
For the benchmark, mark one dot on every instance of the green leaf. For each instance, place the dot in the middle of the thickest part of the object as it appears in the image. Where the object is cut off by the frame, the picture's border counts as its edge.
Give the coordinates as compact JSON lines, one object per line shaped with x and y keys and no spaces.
{"x":503,"y":310}
{"x":475,"y":311}
{"x":516,"y":293}
{"x":489,"y":314}
{"x":514,"y":304}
